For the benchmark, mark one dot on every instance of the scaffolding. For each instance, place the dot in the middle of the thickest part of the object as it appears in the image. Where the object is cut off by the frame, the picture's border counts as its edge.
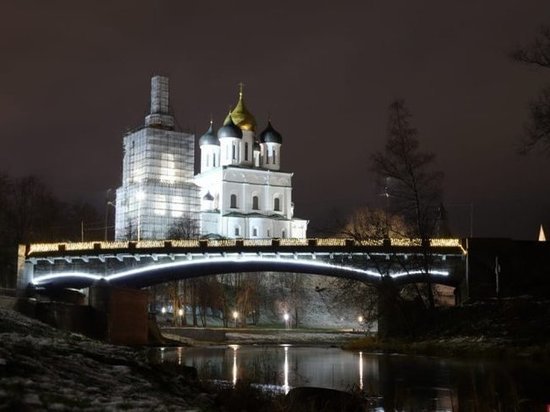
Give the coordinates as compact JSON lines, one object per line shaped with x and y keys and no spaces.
{"x":157,"y":174}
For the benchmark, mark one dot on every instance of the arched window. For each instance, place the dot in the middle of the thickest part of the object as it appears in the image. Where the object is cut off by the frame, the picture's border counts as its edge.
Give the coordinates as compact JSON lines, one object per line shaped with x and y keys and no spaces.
{"x":237,"y":231}
{"x":234,"y":152}
{"x":283,"y":233}
{"x":277,"y":204}
{"x":246,"y":151}
{"x":233,"y":202}
{"x":255,"y":203}
{"x":274,"y":158}
{"x":255,"y":232}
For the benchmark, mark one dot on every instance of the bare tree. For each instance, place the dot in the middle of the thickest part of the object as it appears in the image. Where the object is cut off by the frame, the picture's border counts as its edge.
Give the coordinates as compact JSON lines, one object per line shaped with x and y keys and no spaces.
{"x":412,"y":183}
{"x":185,"y":227}
{"x":180,"y":290}
{"x":33,"y":212}
{"x":366,"y":223}
{"x":537,"y":127}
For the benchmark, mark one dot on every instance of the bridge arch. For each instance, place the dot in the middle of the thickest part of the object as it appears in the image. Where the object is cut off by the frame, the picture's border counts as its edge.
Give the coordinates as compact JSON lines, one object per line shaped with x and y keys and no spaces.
{"x":186,"y":269}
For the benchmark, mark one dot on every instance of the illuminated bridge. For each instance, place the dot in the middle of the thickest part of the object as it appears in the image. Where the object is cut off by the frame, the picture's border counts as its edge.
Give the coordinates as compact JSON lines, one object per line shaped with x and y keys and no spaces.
{"x":146,"y":263}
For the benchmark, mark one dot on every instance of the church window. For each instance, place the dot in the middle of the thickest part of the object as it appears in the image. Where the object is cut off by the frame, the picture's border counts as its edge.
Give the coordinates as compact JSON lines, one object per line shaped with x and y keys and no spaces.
{"x":237,"y":231}
{"x":274,"y":159}
{"x":214,"y":160}
{"x":233,"y":202}
{"x":268,"y":233}
{"x":255,"y":232}
{"x":234,"y":152}
{"x":283,"y":234}
{"x":255,"y":203}
{"x":267,"y":156}
{"x":277,"y":204}
{"x":246,"y":151}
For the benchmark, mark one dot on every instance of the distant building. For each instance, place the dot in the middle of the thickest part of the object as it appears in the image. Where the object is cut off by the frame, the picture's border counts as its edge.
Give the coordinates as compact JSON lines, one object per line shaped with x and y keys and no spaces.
{"x":157,"y":174}
{"x":240,"y":191}
{"x":243,"y":191}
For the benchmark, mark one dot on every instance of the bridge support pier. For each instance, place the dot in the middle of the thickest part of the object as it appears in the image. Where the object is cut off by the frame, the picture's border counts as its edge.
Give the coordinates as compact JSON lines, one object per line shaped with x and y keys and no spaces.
{"x":121,"y":314}
{"x":25,"y":271}
{"x":390,"y":319}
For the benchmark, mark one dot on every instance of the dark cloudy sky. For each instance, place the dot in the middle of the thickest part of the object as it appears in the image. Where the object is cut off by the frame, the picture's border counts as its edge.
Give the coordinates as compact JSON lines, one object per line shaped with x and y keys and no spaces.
{"x":74,"y":75}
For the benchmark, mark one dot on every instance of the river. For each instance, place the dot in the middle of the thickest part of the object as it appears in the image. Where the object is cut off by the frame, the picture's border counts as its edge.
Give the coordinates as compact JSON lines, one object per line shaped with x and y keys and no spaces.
{"x":389,"y":382}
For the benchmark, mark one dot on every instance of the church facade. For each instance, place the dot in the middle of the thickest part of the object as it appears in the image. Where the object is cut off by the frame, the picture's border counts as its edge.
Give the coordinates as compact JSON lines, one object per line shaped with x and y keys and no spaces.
{"x":240,"y":191}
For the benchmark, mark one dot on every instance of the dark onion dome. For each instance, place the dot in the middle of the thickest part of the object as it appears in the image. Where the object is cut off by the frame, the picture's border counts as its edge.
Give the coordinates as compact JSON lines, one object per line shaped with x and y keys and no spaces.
{"x":256,"y":147}
{"x":270,"y":135}
{"x":229,"y":129}
{"x":209,"y":137}
{"x":208,"y":196}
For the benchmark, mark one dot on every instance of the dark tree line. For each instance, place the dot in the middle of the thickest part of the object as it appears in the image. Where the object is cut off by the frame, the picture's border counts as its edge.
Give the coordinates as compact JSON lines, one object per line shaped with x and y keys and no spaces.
{"x":537,"y":127}
{"x":30,"y":212}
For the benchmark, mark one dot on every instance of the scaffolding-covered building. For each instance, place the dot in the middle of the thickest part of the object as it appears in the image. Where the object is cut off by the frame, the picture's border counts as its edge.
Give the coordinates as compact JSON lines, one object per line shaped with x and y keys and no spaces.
{"x":157,"y":189}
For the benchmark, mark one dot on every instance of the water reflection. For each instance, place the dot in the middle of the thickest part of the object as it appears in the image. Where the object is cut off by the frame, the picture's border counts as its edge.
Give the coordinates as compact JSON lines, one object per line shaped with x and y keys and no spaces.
{"x":235,"y":369}
{"x":286,"y":388}
{"x":388,"y":382}
{"x":361,"y":370}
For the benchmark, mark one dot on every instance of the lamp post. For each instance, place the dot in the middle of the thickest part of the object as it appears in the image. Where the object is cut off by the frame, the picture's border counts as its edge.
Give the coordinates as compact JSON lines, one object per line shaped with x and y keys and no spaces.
{"x":286,"y":317}
{"x":235,"y":316}
{"x":107,"y":204}
{"x":140,"y":196}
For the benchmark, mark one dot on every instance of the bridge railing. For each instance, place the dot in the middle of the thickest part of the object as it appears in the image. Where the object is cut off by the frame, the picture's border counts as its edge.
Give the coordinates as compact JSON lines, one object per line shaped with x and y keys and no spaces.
{"x":237,"y":243}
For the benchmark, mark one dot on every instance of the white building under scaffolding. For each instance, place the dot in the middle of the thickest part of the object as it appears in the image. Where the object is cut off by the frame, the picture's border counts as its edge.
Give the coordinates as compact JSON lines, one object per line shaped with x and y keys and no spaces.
{"x":157,"y":174}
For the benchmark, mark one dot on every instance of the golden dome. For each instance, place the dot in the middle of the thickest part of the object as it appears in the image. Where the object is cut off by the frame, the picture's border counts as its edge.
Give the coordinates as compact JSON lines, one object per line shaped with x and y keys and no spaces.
{"x":240,"y":114}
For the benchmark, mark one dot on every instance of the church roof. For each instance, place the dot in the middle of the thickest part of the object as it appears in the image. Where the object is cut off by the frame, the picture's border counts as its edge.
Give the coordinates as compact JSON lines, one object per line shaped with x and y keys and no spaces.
{"x":209,"y":137}
{"x":240,"y":114}
{"x":270,"y":135}
{"x":255,"y":214}
{"x":229,"y":129}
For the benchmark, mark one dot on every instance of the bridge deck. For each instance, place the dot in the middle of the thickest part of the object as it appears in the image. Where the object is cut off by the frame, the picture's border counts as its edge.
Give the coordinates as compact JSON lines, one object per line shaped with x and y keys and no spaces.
{"x":327,"y":245}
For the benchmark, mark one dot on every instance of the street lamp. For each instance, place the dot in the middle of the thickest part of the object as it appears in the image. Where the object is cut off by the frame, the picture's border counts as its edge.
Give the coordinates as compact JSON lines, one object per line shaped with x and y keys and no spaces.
{"x":235,"y":316}
{"x":286,"y":317}
{"x":163,"y":310}
{"x":107,"y":204}
{"x":140,"y":196}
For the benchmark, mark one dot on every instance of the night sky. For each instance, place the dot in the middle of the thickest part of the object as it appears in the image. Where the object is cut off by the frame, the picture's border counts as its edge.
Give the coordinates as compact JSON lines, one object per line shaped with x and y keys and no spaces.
{"x":75,"y":75}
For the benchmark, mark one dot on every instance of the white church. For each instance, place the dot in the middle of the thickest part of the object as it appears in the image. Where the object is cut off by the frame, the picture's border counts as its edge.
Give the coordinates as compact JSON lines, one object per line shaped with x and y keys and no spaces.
{"x":240,"y":191}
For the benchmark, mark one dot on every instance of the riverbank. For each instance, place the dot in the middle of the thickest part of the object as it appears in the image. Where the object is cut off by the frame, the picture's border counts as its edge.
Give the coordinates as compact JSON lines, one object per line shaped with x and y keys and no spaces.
{"x":504,"y":328}
{"x":253,"y":336}
{"x":43,"y":368}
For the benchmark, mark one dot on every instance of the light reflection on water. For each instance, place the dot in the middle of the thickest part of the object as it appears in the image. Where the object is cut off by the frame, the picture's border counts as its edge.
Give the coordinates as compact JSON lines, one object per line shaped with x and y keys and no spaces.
{"x":389,"y":381}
